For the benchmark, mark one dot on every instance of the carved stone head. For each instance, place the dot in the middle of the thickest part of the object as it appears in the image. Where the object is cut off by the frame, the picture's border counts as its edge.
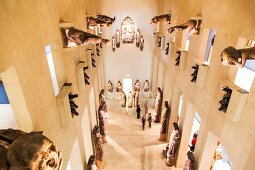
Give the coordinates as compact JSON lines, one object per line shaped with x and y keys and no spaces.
{"x":33,"y":151}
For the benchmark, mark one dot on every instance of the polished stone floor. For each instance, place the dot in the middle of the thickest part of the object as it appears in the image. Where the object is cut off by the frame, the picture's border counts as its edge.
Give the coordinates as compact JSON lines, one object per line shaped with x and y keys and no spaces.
{"x":128,"y":147}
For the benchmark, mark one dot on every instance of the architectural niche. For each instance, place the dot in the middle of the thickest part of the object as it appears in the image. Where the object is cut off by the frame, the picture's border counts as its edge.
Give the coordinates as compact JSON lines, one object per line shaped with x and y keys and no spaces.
{"x":127,"y":34}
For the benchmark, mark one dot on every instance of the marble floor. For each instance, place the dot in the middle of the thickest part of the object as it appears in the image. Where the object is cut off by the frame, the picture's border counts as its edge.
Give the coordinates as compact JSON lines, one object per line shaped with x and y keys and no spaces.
{"x":128,"y":147}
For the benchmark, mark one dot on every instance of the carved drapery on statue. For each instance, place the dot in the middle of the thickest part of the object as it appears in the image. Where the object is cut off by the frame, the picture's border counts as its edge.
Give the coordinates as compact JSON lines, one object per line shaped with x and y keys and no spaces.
{"x":146,"y":86}
{"x":98,"y":143}
{"x":173,"y":144}
{"x":34,"y":151}
{"x":130,"y":99}
{"x":123,"y":99}
{"x":101,"y":118}
{"x":166,"y":115}
{"x":158,"y":105}
{"x":109,"y":87}
{"x":73,"y":37}
{"x":99,"y":20}
{"x":136,"y":99}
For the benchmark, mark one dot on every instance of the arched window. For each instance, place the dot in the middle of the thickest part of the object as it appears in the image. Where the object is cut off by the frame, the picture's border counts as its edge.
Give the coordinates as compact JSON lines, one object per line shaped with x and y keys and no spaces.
{"x":128,"y":30}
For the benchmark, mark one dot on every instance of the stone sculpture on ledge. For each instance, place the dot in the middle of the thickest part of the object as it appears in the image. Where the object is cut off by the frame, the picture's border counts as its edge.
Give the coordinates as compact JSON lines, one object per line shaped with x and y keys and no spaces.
{"x":73,"y":37}
{"x":20,"y":150}
{"x":192,"y":26}
{"x":164,"y":17}
{"x":158,"y":105}
{"x":166,"y":115}
{"x":238,"y":57}
{"x":98,"y":147}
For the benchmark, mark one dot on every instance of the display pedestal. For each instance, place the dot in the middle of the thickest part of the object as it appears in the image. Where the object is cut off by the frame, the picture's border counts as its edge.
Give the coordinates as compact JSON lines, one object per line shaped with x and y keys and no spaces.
{"x":162,"y":137}
{"x":104,"y":139}
{"x":100,"y":165}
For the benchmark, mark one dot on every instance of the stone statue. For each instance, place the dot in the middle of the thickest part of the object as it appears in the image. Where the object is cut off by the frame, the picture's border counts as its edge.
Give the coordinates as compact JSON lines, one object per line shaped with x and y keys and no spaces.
{"x":123,"y":99}
{"x":102,"y":119}
{"x":109,"y":87}
{"x":141,"y":43}
{"x":165,"y":17}
{"x":173,"y":144}
{"x":130,"y":99}
{"x":118,"y":87}
{"x":91,"y":163}
{"x":73,"y":37}
{"x":190,"y":161}
{"x":136,"y":99}
{"x":102,"y":99}
{"x":192,"y":26}
{"x":93,"y":22}
{"x":100,"y":20}
{"x":137,"y":86}
{"x":118,"y":38}
{"x":34,"y":151}
{"x":158,"y":105}
{"x":113,"y":43}
{"x":146,"y":86}
{"x":137,"y":38}
{"x":166,"y":115}
{"x":106,"y":18}
{"x":98,"y":143}
{"x":238,"y":57}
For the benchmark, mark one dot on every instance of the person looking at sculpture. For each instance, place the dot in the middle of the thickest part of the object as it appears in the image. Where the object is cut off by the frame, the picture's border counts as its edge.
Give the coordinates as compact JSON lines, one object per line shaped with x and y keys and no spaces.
{"x":232,"y":56}
{"x":149,"y":120}
{"x":143,"y":121}
{"x":138,"y":111}
{"x":173,"y":144}
{"x":76,"y":37}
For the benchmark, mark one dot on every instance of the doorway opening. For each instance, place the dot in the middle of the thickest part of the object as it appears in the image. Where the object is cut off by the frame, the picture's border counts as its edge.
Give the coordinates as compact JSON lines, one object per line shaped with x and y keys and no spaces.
{"x":86,"y":133}
{"x":244,"y":77}
{"x":180,"y":108}
{"x":194,"y":131}
{"x":127,"y":85}
{"x":8,"y":119}
{"x":221,"y":160}
{"x":92,"y":106}
{"x":52,"y":69}
{"x":75,"y":161}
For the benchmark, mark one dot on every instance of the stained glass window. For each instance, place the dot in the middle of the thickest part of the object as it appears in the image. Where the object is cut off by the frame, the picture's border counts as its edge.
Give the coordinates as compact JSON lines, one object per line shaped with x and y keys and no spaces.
{"x":128,"y":30}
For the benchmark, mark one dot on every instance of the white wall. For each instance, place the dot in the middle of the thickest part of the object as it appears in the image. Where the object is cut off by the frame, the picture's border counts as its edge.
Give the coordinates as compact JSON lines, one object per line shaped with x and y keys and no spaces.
{"x":128,"y":59}
{"x":7,"y":119}
{"x":75,"y":161}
